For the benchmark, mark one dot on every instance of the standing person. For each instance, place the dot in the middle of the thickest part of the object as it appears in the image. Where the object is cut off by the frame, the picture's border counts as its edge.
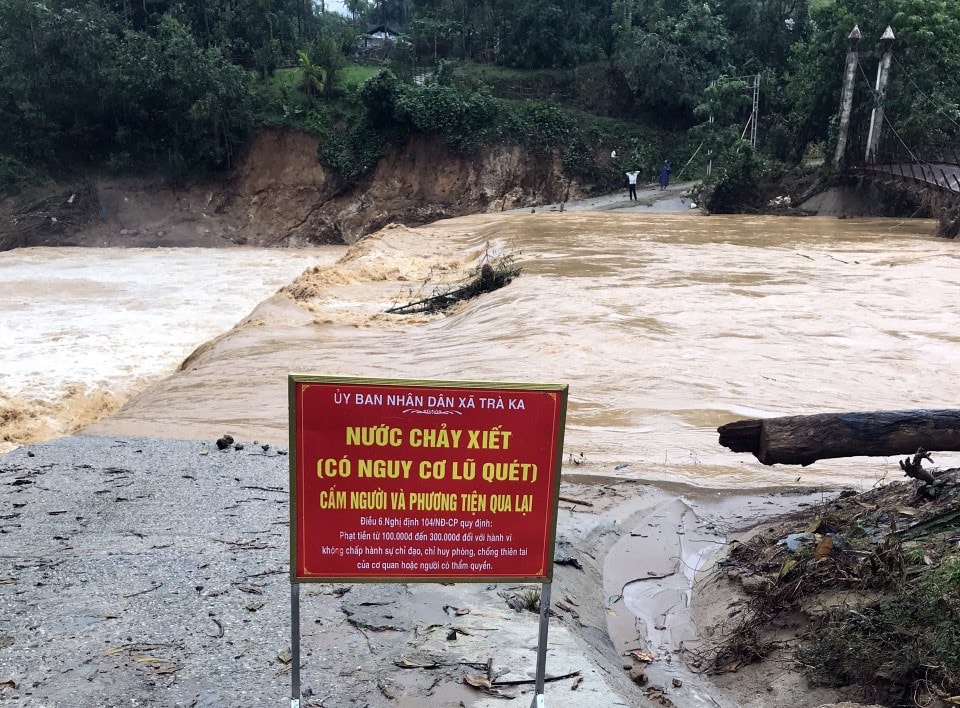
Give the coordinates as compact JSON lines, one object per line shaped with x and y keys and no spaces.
{"x":665,"y":174}
{"x":632,"y":183}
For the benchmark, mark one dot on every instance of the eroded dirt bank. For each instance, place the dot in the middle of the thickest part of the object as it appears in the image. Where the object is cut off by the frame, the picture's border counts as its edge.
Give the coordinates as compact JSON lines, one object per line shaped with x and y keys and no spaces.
{"x":280,"y":195}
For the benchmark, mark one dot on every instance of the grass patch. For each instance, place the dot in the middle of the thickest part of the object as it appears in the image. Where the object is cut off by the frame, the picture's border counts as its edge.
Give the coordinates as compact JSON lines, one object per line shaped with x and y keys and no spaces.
{"x":284,"y":85}
{"x":542,"y":84}
{"x":351,"y":76}
{"x":283,"y":102}
{"x":906,"y":646}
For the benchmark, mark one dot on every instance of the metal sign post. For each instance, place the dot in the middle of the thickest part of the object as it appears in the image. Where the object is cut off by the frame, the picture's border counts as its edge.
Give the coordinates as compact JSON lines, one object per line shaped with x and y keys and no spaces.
{"x":538,"y":693}
{"x":294,"y":645}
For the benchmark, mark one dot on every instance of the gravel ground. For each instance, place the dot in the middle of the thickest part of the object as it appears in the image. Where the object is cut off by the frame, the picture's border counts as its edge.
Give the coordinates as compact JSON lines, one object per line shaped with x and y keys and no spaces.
{"x":142,"y":572}
{"x":674,"y":198}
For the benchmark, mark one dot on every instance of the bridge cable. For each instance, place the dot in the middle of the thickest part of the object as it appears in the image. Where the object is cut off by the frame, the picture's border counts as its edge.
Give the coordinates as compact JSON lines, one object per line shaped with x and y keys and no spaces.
{"x":931,"y":165}
{"x":886,"y":120}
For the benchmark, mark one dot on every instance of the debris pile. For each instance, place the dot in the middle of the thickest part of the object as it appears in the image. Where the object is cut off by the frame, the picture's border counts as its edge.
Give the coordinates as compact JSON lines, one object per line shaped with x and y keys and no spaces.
{"x":868,"y":585}
{"x":48,"y":220}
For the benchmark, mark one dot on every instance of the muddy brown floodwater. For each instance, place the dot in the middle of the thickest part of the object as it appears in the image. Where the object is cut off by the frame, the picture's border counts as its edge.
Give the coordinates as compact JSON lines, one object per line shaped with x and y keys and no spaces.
{"x":83,"y":328}
{"x":664,"y":325}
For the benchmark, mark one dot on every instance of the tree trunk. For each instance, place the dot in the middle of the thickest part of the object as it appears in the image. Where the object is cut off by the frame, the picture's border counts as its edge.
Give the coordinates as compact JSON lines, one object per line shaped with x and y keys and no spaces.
{"x":804,"y":439}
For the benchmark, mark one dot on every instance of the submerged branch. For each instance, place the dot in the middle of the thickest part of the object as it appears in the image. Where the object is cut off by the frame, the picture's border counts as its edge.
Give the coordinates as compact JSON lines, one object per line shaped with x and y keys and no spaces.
{"x":487,"y":278}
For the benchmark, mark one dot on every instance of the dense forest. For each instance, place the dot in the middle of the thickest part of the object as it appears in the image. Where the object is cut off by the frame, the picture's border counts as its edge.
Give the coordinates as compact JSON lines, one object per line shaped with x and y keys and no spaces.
{"x":179,"y":87}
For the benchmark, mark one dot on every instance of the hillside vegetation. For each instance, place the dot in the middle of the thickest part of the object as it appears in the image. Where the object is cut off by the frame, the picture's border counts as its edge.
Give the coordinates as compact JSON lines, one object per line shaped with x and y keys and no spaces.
{"x":179,"y":88}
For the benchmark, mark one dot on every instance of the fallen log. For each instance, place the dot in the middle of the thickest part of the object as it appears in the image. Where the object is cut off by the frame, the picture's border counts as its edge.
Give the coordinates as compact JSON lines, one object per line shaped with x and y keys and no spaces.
{"x":804,"y":439}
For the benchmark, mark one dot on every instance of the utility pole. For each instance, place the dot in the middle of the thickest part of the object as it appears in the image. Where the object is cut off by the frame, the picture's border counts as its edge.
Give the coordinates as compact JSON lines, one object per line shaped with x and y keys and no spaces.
{"x":846,"y":96}
{"x":710,"y":154}
{"x":876,"y":115}
{"x":755,"y":113}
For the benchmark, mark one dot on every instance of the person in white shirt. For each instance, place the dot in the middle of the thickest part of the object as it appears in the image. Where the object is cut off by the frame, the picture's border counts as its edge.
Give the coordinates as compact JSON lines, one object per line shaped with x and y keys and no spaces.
{"x":632,"y":183}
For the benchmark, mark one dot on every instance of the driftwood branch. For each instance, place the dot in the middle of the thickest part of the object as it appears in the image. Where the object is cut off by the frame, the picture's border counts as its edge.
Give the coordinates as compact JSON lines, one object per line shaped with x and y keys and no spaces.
{"x":571,"y":500}
{"x":804,"y":439}
{"x":914,"y":468}
{"x":546,"y":679}
{"x":488,"y":277}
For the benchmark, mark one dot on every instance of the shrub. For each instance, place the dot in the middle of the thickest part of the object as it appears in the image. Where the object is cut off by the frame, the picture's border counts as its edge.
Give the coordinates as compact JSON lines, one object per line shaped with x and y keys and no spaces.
{"x":540,"y":124}
{"x":734,"y":183}
{"x":465,"y":120}
{"x":353,"y":152}
{"x":14,"y":175}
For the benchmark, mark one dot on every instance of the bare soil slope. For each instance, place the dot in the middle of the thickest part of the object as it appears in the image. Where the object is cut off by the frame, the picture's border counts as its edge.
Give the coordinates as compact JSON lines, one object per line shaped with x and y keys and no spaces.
{"x":280,"y":195}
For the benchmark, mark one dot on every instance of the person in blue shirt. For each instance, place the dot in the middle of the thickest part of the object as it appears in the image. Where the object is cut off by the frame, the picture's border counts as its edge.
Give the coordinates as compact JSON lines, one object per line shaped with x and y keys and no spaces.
{"x":665,"y":174}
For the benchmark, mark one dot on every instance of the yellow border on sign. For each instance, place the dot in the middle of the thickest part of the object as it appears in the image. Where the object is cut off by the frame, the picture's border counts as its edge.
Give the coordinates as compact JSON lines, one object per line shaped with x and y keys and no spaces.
{"x":553,"y":390}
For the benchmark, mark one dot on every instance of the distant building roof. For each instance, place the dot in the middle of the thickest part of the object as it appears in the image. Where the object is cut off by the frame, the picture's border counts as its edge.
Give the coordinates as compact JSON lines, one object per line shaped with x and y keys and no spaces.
{"x":383,"y":30}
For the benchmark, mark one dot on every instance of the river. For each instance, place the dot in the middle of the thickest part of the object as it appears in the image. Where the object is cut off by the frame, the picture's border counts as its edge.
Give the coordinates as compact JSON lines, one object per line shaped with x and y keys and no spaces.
{"x":83,"y":329}
{"x":664,"y":326}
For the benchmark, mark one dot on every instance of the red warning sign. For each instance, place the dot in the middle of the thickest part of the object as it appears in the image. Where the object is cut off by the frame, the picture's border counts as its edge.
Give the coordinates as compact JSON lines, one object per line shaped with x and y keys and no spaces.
{"x":424,"y":481}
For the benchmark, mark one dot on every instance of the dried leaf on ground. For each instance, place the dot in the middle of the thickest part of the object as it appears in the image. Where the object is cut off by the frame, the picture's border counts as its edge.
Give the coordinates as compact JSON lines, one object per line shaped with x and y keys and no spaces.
{"x":408,"y":663}
{"x":824,"y":547}
{"x":477,"y":681}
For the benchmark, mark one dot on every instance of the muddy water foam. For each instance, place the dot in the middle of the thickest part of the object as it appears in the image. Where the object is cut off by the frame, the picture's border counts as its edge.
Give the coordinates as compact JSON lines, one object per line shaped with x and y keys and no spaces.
{"x":82,"y":328}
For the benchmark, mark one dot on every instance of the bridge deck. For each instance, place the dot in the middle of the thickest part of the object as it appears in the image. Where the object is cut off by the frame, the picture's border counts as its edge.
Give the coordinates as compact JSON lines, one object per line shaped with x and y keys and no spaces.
{"x":941,"y":175}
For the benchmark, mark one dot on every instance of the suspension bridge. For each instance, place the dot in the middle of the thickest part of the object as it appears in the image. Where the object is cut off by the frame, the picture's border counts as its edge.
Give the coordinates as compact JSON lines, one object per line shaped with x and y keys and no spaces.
{"x":930,"y":174}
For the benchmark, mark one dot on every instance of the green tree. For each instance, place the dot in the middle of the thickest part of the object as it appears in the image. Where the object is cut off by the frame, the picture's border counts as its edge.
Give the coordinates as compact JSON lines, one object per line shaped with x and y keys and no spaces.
{"x":325,"y":53}
{"x":51,"y":54}
{"x":550,"y":35}
{"x":358,"y":9}
{"x":174,"y":98}
{"x":313,"y":78}
{"x":667,"y":59}
{"x":720,"y":111}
